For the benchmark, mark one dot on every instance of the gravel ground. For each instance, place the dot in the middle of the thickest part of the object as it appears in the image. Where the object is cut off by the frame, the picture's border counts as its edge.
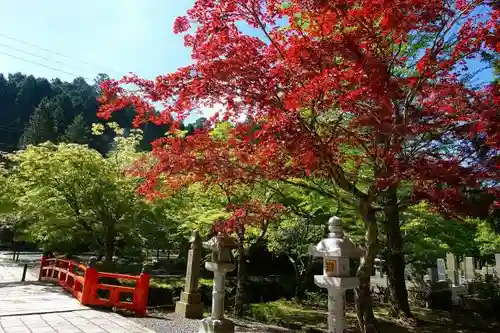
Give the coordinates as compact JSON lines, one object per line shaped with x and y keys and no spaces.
{"x":168,"y":322}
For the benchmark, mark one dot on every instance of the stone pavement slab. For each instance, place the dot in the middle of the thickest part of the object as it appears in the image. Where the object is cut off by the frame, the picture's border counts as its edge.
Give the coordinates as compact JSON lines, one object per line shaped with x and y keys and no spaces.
{"x":85,"y":321}
{"x":45,"y":308}
{"x":18,"y":299}
{"x":12,"y":272}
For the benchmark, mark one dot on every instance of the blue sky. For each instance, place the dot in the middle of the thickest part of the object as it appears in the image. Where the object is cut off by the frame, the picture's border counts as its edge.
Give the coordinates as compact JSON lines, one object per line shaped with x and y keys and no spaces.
{"x":113,"y":36}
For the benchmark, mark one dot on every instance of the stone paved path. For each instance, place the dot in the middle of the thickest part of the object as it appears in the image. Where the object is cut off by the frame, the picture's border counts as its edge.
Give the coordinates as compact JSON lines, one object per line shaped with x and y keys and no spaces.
{"x":83,"y":321}
{"x":11,"y":272}
{"x":33,"y":307}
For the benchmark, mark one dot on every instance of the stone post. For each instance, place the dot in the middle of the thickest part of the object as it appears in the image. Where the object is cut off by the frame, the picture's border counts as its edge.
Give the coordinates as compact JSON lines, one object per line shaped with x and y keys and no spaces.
{"x":221,"y":264}
{"x":470,"y":269}
{"x":441,"y":268}
{"x":190,"y":305}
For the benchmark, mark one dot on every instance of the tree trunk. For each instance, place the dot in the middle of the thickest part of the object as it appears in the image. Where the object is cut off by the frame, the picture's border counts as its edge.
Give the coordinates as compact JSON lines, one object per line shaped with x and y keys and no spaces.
{"x":395,"y":256}
{"x":239,"y":299}
{"x":109,"y":242}
{"x":298,"y":278}
{"x":364,"y":306}
{"x":302,"y":277}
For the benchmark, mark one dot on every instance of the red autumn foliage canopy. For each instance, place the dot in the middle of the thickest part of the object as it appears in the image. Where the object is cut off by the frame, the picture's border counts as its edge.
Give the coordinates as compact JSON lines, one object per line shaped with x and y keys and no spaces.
{"x":324,"y":83}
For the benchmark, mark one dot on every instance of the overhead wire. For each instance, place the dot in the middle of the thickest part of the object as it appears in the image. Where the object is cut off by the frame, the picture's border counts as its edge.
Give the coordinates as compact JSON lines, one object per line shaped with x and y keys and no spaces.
{"x":58,"y":53}
{"x":46,"y":66}
{"x":35,"y":55}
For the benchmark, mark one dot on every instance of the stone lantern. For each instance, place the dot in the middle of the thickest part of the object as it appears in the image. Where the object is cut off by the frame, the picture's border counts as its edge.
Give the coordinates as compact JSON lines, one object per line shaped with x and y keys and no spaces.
{"x":221,"y":246}
{"x":340,"y":258}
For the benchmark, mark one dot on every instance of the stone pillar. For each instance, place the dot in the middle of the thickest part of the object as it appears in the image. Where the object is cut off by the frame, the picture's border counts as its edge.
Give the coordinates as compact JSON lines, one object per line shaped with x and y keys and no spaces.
{"x":218,"y":294}
{"x":497,"y":264}
{"x":190,"y":305}
{"x":216,"y":323}
{"x":470,"y":269}
{"x":441,"y":270}
{"x":336,"y":310}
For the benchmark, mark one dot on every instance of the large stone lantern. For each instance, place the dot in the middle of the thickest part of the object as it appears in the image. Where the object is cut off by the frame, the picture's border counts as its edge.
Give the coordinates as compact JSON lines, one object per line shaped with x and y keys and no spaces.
{"x":221,"y":246}
{"x":340,"y":257}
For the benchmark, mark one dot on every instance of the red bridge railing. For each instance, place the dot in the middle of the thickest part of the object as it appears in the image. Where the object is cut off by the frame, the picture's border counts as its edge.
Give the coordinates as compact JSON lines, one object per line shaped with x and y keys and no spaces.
{"x":84,"y":284}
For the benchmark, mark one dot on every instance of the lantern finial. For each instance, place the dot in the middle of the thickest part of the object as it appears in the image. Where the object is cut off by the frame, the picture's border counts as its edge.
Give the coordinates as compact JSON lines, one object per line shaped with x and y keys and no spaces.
{"x":335,"y":228}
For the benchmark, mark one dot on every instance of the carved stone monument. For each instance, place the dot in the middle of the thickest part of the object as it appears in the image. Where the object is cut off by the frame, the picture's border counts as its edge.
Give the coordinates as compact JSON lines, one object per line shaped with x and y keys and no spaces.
{"x":190,"y":305}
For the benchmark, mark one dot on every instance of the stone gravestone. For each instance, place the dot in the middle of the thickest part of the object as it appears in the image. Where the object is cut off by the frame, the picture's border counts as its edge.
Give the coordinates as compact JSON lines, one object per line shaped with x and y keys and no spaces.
{"x":433,"y":275}
{"x":190,"y":305}
{"x":470,"y":269}
{"x":458,"y":292}
{"x":452,"y":268}
{"x":497,"y":264}
{"x":441,"y":270}
{"x":484,"y":270}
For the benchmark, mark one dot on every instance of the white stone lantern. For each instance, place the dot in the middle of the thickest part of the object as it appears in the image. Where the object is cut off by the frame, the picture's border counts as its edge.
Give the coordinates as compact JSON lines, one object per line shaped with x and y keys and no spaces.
{"x":339,"y":271}
{"x":221,"y":246}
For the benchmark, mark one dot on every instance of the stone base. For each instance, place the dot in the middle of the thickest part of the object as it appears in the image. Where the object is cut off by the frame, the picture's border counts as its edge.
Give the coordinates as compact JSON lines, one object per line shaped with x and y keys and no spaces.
{"x":209,"y":325}
{"x":457,"y":294}
{"x":189,"y":306}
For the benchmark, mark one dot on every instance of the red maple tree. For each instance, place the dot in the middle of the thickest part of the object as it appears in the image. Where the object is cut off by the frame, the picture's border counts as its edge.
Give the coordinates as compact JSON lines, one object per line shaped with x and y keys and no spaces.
{"x":325,"y":83}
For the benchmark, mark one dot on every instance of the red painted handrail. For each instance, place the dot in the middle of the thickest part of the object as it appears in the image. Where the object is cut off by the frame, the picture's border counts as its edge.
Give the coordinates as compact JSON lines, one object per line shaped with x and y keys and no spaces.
{"x":84,"y":285}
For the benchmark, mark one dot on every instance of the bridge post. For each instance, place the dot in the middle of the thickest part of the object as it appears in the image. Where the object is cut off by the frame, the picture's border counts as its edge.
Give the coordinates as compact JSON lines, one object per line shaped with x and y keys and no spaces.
{"x":89,"y":282}
{"x":141,"y":295}
{"x":43,"y":261}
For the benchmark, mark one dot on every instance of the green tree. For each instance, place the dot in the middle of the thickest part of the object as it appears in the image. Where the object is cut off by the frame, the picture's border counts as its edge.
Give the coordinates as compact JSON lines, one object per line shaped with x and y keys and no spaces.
{"x":42,"y":125}
{"x":69,"y":193}
{"x":429,"y":236}
{"x":77,"y":131}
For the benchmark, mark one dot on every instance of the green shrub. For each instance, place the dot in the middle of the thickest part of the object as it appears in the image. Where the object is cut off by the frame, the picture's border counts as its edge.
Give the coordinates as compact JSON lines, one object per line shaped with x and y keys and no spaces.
{"x":287,"y":314}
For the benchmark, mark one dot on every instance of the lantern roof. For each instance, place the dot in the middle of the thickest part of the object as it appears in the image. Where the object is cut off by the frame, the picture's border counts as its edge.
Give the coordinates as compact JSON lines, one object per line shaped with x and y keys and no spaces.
{"x":222,"y":240}
{"x":335,"y":245}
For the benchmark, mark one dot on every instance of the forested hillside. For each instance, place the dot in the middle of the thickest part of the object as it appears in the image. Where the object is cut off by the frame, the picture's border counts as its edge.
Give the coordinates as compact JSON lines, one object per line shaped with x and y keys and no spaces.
{"x":35,"y":110}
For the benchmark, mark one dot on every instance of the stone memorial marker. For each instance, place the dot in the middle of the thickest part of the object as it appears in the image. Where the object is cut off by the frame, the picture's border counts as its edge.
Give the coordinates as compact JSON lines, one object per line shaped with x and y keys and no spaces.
{"x":441,"y":270}
{"x":190,"y":305}
{"x":470,"y":269}
{"x":497,"y":264}
{"x":452,"y":268}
